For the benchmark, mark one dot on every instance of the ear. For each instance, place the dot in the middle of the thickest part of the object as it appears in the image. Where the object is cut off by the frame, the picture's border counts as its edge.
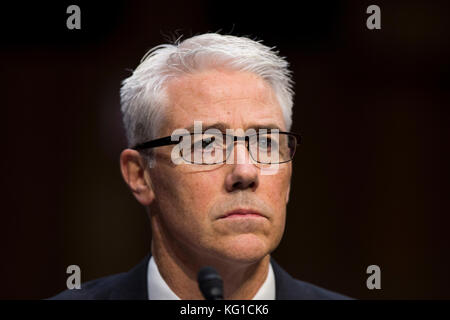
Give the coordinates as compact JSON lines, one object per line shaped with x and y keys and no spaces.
{"x":136,"y":175}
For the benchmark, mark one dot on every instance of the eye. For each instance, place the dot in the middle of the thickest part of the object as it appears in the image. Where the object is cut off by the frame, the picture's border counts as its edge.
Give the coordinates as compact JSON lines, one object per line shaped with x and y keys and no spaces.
{"x":207,"y":142}
{"x":204,"y":144}
{"x":268,"y":142}
{"x":265,"y":143}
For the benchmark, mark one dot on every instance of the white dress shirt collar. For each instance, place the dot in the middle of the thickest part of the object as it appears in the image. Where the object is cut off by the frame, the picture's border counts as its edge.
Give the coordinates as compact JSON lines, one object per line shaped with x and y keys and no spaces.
{"x":159,"y":290}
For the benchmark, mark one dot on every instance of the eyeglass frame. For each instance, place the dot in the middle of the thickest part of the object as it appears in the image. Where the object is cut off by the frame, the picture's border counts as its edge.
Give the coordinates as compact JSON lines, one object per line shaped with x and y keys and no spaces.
{"x":167,"y":141}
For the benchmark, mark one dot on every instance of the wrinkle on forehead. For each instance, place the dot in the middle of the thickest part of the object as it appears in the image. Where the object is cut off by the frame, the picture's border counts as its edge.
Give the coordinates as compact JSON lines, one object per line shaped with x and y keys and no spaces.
{"x":209,"y":86}
{"x":233,"y":97}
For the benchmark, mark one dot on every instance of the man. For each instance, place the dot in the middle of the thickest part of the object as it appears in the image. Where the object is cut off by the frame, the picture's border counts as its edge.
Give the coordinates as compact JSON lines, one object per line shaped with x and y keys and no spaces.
{"x":214,"y":197}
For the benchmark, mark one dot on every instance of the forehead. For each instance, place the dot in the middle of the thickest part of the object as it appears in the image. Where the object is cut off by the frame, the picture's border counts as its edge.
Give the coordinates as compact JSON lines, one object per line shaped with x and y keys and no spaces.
{"x":235,"y":98}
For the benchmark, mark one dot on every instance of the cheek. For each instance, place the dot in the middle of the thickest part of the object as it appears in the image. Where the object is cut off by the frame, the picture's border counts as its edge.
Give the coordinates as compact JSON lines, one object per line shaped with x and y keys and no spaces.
{"x":200,"y":189}
{"x":189,"y":219}
{"x":189,"y":196}
{"x":276,"y":187}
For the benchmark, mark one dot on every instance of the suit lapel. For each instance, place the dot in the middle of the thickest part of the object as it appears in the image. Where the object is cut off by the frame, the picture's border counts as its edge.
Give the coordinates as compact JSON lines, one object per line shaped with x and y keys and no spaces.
{"x":283,"y":283}
{"x":133,"y":285}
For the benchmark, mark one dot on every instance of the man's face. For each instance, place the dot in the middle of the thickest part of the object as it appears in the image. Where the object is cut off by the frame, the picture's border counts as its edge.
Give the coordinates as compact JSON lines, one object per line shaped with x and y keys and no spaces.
{"x":192,"y":204}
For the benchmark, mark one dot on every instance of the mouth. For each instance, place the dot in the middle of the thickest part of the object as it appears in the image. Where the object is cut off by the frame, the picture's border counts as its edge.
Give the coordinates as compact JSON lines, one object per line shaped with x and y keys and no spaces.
{"x":242,"y":213}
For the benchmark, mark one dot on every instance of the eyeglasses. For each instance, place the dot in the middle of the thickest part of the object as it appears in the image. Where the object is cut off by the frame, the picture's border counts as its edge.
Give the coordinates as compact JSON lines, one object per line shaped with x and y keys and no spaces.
{"x":206,"y":148}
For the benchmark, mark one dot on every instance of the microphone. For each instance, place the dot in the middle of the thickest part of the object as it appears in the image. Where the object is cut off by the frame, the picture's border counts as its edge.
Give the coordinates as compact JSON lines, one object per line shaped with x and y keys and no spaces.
{"x":210,"y":283}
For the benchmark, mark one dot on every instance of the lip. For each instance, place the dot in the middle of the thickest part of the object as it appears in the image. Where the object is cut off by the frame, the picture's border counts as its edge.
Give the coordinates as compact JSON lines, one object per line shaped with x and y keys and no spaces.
{"x":242,"y":213}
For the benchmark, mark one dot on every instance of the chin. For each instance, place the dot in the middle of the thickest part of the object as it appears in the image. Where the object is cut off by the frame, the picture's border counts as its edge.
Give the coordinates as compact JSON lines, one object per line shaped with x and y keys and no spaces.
{"x":246,"y":248}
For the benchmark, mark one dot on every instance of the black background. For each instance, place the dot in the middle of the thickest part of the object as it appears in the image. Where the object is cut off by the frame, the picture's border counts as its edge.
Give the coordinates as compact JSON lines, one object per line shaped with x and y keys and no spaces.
{"x":370,"y":183}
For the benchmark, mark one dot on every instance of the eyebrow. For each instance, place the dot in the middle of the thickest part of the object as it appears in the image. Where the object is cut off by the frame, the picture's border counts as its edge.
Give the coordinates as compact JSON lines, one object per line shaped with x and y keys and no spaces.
{"x":223,"y":127}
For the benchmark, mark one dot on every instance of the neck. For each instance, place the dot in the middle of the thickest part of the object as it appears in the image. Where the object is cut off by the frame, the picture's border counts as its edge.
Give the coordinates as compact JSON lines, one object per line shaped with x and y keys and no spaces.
{"x":179,"y":267}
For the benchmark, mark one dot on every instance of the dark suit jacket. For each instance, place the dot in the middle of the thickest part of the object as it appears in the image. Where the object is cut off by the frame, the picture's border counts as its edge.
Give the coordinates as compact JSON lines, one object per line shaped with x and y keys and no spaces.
{"x":132,"y":285}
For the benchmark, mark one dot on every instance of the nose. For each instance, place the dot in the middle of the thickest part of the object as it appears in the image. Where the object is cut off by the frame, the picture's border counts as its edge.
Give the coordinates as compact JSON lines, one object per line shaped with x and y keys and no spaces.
{"x":243,"y":173}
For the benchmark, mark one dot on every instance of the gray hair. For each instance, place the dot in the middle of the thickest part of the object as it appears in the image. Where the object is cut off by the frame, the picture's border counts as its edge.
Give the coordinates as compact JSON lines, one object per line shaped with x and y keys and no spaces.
{"x":143,"y":94}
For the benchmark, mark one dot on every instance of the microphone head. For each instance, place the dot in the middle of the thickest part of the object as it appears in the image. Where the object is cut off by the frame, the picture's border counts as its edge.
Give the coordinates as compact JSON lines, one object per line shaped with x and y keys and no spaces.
{"x":210,"y":283}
